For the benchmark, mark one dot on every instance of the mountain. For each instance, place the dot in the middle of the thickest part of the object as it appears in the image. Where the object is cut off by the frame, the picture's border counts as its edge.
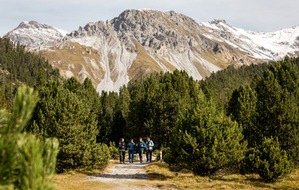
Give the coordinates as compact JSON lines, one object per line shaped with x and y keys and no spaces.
{"x":139,"y":42}
{"x":35,"y":35}
{"x":261,"y":45}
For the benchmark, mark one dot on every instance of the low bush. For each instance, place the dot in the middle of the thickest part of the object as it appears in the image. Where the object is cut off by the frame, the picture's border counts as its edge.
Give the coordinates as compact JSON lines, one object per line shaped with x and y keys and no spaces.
{"x":113,"y":150}
{"x":268,"y":160}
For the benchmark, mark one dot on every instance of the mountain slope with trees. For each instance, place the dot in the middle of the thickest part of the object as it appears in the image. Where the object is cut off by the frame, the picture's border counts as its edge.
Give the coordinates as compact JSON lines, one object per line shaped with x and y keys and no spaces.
{"x":66,"y":109}
{"x":240,"y":118}
{"x":17,"y":65}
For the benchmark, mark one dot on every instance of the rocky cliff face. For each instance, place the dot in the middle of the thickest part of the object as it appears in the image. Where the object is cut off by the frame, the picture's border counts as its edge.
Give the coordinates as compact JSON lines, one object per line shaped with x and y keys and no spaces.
{"x":139,"y":42}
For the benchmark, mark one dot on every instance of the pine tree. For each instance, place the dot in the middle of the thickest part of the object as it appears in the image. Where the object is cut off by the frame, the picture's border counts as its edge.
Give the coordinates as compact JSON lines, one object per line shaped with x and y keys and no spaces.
{"x":206,"y":140}
{"x":157,"y":102}
{"x":120,"y":122}
{"x":269,"y":107}
{"x":138,"y":114}
{"x":277,"y":106}
{"x":25,"y":161}
{"x":66,"y":115}
{"x":106,"y":118}
{"x":242,"y":108}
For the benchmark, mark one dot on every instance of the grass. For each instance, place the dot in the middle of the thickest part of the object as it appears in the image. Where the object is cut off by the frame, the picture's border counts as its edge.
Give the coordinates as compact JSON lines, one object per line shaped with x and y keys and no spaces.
{"x":78,"y":180}
{"x":162,"y":177}
{"x":166,"y":179}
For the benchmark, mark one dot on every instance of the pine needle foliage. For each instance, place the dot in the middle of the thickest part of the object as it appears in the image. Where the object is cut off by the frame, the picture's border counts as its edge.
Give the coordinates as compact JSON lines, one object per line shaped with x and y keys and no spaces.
{"x":268,"y":160}
{"x":206,"y":140}
{"x":26,"y":162}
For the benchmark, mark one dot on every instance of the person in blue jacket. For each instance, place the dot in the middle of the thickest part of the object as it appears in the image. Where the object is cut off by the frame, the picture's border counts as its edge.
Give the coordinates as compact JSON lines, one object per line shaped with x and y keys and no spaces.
{"x":141,"y":146}
{"x":131,"y":150}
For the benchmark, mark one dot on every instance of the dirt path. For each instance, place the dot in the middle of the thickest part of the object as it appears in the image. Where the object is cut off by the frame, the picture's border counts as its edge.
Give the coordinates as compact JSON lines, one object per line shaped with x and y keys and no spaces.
{"x":129,"y":176}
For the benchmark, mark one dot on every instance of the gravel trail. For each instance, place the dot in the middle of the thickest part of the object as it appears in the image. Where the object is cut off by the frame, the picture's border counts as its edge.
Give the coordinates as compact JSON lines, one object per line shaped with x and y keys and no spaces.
{"x":129,"y":176}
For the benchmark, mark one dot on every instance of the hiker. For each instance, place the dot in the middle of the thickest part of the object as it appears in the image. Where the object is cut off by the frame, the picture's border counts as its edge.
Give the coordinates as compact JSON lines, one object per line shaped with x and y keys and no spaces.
{"x":150,"y":147}
{"x":131,"y":150}
{"x":122,"y":150}
{"x":140,"y":147}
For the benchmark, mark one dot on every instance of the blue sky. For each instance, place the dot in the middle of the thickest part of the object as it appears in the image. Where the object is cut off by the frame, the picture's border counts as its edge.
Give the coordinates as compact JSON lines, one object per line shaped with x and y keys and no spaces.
{"x":255,"y":15}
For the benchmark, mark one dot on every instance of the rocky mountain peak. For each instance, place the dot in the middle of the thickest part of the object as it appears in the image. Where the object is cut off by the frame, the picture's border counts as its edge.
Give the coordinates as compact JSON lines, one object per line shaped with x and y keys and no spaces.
{"x":34,"y":34}
{"x":218,"y":21}
{"x":91,"y":29}
{"x":133,"y":19}
{"x":155,"y":29}
{"x":33,"y":24}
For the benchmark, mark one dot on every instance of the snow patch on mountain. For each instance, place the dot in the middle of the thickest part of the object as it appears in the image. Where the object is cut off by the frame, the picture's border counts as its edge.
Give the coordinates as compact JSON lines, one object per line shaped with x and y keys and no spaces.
{"x":261,"y":45}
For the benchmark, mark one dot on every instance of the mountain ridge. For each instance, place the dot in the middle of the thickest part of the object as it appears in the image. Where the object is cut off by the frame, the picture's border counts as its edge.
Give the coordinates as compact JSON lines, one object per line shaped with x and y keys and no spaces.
{"x":139,"y":42}
{"x":34,"y":34}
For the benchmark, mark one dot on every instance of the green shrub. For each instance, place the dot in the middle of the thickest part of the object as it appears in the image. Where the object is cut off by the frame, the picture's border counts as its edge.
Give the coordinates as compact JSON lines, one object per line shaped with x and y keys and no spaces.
{"x":272,"y":161}
{"x":249,"y":164}
{"x":113,"y":150}
{"x":104,"y":154}
{"x":268,"y":160}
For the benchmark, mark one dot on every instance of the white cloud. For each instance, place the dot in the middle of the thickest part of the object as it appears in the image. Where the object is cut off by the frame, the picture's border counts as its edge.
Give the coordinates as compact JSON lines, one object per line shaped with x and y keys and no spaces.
{"x":257,"y":15}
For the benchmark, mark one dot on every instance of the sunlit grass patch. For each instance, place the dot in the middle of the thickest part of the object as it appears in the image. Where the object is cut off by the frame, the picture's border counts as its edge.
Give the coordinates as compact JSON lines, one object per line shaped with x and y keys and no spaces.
{"x":79,"y":179}
{"x":160,"y":172}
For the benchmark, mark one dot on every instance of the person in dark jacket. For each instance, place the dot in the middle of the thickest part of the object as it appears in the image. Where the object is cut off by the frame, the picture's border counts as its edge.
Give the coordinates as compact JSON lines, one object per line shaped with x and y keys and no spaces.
{"x":122,"y":150}
{"x":150,"y":147}
{"x":141,"y":146}
{"x":131,"y":150}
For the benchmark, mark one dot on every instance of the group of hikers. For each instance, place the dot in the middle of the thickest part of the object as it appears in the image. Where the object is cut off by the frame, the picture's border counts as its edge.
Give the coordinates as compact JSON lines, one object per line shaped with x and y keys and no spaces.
{"x":133,"y":148}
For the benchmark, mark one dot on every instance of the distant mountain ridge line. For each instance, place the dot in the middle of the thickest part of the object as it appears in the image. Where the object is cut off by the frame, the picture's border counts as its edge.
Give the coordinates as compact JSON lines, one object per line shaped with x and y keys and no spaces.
{"x":139,"y":42}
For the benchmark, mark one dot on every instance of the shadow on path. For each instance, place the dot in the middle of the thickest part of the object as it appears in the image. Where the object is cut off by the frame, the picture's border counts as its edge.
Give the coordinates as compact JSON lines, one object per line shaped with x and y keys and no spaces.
{"x":122,"y":176}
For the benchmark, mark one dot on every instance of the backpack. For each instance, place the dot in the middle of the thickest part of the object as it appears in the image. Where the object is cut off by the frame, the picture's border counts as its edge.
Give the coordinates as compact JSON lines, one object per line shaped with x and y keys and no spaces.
{"x":151,"y":145}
